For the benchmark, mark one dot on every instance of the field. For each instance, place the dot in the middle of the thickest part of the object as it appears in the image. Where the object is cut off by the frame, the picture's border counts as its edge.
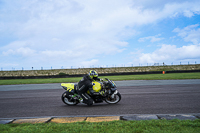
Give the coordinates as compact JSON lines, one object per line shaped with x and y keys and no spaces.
{"x":152,"y":126}
{"x":115,"y":78}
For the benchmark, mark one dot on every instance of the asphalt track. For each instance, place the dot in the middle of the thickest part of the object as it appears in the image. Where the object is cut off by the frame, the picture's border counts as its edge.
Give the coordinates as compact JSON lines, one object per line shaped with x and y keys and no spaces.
{"x":138,"y":97}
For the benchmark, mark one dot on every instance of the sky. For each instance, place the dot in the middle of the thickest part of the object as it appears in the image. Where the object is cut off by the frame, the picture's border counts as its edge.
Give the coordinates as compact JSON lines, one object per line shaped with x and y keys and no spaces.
{"x":49,"y":34}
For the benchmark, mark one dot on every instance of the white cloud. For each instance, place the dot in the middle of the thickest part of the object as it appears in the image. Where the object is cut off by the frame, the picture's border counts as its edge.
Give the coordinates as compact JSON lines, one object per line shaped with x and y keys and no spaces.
{"x":90,"y":63}
{"x":24,"y":51}
{"x":18,"y":48}
{"x":170,"y":53}
{"x":190,"y":33}
{"x":151,"y":38}
{"x":53,"y":31}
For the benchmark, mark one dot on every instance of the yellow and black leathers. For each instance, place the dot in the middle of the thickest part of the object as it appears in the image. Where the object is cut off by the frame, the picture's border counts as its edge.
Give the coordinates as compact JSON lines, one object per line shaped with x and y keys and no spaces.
{"x":83,"y":86}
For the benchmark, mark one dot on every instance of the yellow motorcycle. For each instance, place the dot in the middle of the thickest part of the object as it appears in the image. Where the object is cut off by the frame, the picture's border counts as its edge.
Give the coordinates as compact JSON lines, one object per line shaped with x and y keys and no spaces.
{"x":107,"y":89}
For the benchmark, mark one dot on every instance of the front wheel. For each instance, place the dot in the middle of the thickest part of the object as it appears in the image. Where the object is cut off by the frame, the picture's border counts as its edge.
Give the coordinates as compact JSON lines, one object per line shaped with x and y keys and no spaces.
{"x":114,"y":100}
{"x":68,"y":100}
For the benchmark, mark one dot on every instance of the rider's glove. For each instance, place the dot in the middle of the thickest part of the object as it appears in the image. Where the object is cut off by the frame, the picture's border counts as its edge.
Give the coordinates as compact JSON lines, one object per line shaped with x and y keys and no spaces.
{"x":101,"y":80}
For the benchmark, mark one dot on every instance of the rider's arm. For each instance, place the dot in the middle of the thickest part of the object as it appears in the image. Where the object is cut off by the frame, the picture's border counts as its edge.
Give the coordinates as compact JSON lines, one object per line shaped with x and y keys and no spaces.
{"x":98,"y":79}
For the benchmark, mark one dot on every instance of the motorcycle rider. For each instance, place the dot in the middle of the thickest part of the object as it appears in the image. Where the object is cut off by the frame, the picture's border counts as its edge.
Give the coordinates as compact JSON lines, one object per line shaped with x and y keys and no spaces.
{"x":85,"y":84}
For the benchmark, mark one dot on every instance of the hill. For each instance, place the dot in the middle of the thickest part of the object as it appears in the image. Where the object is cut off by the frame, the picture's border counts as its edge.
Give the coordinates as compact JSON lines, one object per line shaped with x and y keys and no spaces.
{"x":99,"y":70}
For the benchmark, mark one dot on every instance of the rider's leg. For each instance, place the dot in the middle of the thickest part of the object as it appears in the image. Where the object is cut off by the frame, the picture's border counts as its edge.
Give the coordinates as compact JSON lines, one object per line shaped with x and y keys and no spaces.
{"x":87,"y":99}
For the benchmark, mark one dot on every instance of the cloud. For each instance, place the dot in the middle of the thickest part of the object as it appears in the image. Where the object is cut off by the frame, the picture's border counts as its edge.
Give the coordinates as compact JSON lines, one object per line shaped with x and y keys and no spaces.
{"x":151,"y":38}
{"x":90,"y":63}
{"x":72,"y":31}
{"x":18,"y":48}
{"x":20,"y":51}
{"x":190,"y":33}
{"x":170,"y":53}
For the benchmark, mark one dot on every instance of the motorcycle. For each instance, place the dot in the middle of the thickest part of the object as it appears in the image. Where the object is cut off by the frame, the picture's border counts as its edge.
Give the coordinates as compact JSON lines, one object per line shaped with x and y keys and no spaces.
{"x":107,"y":89}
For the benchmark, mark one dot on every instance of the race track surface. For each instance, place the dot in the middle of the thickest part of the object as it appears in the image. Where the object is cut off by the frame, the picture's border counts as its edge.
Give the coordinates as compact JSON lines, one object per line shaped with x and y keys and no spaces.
{"x":138,"y":97}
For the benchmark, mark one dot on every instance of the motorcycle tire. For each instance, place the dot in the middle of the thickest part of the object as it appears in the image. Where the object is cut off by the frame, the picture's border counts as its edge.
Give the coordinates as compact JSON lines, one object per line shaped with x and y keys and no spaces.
{"x":114,"y":100}
{"x":68,"y":101}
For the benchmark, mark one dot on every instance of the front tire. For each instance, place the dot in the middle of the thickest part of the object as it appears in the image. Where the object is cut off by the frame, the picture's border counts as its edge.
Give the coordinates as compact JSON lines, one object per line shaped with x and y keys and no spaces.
{"x":114,"y":100}
{"x":69,"y":101}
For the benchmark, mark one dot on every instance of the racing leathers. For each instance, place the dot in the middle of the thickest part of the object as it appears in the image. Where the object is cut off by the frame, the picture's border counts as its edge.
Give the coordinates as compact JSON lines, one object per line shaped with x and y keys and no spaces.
{"x":83,"y":86}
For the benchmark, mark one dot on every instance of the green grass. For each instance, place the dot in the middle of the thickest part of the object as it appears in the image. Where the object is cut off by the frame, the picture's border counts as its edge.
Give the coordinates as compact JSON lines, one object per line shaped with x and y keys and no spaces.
{"x":115,"y":78}
{"x":157,"y":76}
{"x":145,"y":126}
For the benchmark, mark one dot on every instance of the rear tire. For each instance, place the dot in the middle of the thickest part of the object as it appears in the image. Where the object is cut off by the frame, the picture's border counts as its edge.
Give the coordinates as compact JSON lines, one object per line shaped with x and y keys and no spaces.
{"x":114,"y":100}
{"x":69,"y":101}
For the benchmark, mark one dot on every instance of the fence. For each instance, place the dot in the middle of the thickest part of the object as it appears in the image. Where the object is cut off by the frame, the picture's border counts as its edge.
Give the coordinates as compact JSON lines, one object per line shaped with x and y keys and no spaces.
{"x":101,"y":66}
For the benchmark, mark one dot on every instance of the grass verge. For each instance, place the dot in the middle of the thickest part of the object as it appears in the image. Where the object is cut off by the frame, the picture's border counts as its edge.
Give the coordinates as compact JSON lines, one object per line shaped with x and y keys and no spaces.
{"x":154,"y":126}
{"x":115,"y":78}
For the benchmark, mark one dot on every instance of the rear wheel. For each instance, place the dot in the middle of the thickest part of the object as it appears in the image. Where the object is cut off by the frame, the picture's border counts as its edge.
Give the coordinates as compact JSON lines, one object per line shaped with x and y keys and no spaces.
{"x":114,"y":100}
{"x":68,"y":100}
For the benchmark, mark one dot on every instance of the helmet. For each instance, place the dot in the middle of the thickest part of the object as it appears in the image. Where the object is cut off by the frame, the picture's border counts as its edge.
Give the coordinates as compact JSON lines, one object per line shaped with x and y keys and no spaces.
{"x":93,"y":74}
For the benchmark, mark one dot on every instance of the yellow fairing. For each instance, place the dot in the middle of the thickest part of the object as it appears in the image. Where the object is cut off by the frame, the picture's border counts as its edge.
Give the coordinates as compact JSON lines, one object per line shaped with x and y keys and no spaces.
{"x":96,"y":86}
{"x":69,"y":86}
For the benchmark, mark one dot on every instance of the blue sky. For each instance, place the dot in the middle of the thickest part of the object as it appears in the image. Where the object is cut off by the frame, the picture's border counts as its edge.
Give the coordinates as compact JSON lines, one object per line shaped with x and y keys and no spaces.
{"x":98,"y":33}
